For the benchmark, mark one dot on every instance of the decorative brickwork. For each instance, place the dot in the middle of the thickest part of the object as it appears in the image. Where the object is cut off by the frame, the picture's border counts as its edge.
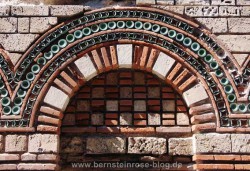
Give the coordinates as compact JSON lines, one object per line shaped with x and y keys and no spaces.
{"x":132,"y":83}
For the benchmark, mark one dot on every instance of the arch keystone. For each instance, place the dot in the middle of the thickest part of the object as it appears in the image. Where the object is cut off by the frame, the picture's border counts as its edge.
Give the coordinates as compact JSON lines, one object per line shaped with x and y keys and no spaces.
{"x":124,"y":53}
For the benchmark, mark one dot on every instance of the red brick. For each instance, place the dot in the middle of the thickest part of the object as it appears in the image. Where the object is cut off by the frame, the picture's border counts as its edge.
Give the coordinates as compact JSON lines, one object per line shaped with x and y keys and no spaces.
{"x":227,"y":157}
{"x":242,"y":166}
{"x":140,"y":116}
{"x":154,"y":102}
{"x":245,"y":157}
{"x":139,"y":89}
{"x":214,"y":166}
{"x":140,"y":122}
{"x":111,"y":115}
{"x":206,"y":127}
{"x":49,"y":120}
{"x":9,"y":157}
{"x":70,"y":81}
{"x":82,"y":116}
{"x":198,"y":157}
{"x":79,"y":129}
{"x":108,"y":129}
{"x":139,"y":95}
{"x":111,"y":122}
{"x":53,"y":112}
{"x":126,"y":102}
{"x":168,"y":122}
{"x":47,"y":128}
{"x":168,"y":115}
{"x":200,"y":109}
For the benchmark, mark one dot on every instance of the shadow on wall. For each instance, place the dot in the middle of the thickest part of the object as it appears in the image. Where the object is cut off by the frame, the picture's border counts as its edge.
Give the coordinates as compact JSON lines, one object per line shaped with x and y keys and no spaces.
{"x":91,"y":3}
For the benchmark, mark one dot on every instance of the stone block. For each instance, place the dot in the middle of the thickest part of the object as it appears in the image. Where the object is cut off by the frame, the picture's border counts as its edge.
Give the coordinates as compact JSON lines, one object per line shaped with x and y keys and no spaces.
{"x":37,"y":166}
{"x":38,"y":10}
{"x":47,"y":157}
{"x":9,"y":157}
{"x":82,"y":105}
{"x":8,"y":167}
{"x":163,"y":65}
{"x":23,"y":25}
{"x":145,"y":2}
{"x":192,"y":2}
{"x":212,"y":143}
{"x":17,"y":42}
{"x":182,"y":119}
{"x":102,"y":145}
{"x":97,"y":119}
{"x":168,"y":105}
{"x":86,"y":67}
{"x":240,"y":58}
{"x":39,"y":143}
{"x":124,"y":55}
{"x":98,"y":92}
{"x":65,"y":10}
{"x":165,"y":2}
{"x":236,"y":43}
{"x":147,"y":145}
{"x":139,"y":105}
{"x":229,"y":11}
{"x":243,"y":2}
{"x":191,"y":96}
{"x":4,"y":10}
{"x":154,"y":119}
{"x":202,"y":11}
{"x":15,"y":143}
{"x":180,"y":146}
{"x":41,"y":24}
{"x":240,"y":143}
{"x":1,"y":143}
{"x":216,"y":25}
{"x":52,"y":96}
{"x":125,"y":119}
{"x":112,"y":105}
{"x":72,"y":144}
{"x":28,"y":157}
{"x":154,"y":92}
{"x":8,"y":25}
{"x":245,"y":11}
{"x":176,"y":9}
{"x":223,"y":2}
{"x":239,"y":25}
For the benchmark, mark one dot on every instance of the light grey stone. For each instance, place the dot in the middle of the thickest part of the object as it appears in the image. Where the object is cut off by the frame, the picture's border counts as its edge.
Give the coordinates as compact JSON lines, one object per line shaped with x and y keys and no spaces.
{"x":245,"y":10}
{"x":202,"y":11}
{"x":182,"y":119}
{"x":229,"y":11}
{"x":145,"y":2}
{"x":223,"y":2}
{"x":168,"y":105}
{"x":125,"y":119}
{"x":14,"y":57}
{"x":41,"y":24}
{"x":165,"y":2}
{"x":102,"y":145}
{"x":240,"y":143}
{"x":236,"y":43}
{"x":191,"y":96}
{"x":112,"y":105}
{"x":216,"y":25}
{"x":192,"y":2}
{"x":38,"y":10}
{"x":180,"y":146}
{"x":239,"y":25}
{"x":97,"y":119}
{"x":147,"y":145}
{"x":65,"y":10}
{"x":154,"y":119}
{"x":17,"y":42}
{"x":4,"y":10}
{"x":23,"y":25}
{"x":8,"y":25}
{"x":39,"y":143}
{"x":86,"y":67}
{"x":163,"y":65}
{"x":243,"y":2}
{"x":15,"y":143}
{"x":28,"y":157}
{"x":124,"y":55}
{"x":176,"y":9}
{"x":212,"y":143}
{"x":139,"y":105}
{"x":240,"y":58}
{"x":52,"y":96}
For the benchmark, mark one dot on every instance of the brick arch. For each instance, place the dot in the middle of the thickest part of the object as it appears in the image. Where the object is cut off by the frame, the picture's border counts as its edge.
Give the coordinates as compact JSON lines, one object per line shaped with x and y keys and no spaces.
{"x":164,"y":19}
